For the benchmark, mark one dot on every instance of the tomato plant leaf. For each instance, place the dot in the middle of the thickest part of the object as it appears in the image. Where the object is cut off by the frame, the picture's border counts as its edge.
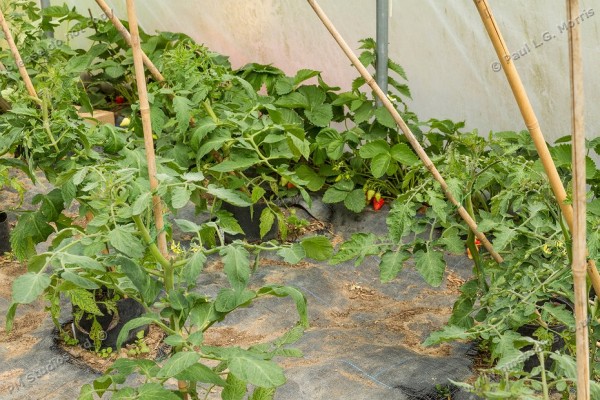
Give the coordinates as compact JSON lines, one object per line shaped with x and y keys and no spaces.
{"x":230,"y":196}
{"x":431,"y":266}
{"x":28,"y":287}
{"x":293,"y":254}
{"x":317,"y":247}
{"x":359,"y":246}
{"x":258,"y":372}
{"x":267,"y":218}
{"x":236,"y":266}
{"x":229,"y":299}
{"x":178,"y":363}
{"x":391,"y":264}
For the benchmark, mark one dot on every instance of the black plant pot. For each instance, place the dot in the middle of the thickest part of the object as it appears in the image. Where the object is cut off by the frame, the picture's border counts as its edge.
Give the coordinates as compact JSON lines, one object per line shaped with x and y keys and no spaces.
{"x":250,"y":223}
{"x":111,"y":324}
{"x":557,"y":344}
{"x":4,"y":233}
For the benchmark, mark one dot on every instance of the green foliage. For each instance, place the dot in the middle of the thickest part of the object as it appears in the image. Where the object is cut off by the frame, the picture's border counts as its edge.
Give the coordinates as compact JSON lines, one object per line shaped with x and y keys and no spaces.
{"x":218,"y":138}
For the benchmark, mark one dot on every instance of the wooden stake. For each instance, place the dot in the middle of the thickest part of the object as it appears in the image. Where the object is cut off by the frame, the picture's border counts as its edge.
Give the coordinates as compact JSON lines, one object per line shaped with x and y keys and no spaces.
{"x":17,"y":56}
{"x":147,"y":126}
{"x":579,"y":205}
{"x":138,"y":60}
{"x":405,"y":129}
{"x":532,"y":123}
{"x":127,"y":36}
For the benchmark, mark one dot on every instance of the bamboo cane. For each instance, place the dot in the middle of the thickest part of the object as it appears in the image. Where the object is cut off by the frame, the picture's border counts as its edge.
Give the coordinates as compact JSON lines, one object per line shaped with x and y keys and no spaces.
{"x":149,"y":145}
{"x":579,"y":205}
{"x":532,"y":123}
{"x":405,"y":129}
{"x":17,"y":56}
{"x":147,"y":127}
{"x":127,"y":36}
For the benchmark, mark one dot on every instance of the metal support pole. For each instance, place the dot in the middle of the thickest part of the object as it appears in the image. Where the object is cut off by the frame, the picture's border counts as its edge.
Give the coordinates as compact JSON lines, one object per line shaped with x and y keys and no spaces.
{"x":383,"y":17}
{"x":46,"y":4}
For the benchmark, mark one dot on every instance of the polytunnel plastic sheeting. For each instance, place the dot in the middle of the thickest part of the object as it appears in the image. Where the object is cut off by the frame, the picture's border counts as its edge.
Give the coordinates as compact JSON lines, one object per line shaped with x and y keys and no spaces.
{"x":441,"y":44}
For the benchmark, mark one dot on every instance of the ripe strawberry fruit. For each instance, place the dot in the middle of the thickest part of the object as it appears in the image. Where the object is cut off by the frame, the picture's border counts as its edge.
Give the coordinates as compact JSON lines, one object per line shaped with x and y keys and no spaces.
{"x":377,"y":204}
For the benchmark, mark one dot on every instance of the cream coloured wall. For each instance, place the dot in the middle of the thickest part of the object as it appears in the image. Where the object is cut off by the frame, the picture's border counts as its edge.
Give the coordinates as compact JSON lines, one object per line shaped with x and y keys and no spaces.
{"x":442,"y":45}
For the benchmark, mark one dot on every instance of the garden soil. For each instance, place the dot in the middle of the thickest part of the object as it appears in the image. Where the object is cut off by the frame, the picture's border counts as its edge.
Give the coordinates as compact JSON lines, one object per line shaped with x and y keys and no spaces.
{"x":364,"y":340}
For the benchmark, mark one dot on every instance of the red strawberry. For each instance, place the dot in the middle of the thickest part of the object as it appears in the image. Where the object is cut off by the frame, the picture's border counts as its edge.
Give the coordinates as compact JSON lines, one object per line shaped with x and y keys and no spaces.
{"x":377,"y":204}
{"x":119,"y":99}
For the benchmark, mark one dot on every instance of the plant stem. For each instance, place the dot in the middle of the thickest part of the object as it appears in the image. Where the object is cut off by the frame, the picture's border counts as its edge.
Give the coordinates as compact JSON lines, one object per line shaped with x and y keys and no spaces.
{"x":148,"y":240}
{"x":210,"y":111}
{"x":473,"y":248}
{"x":46,"y":123}
{"x":543,"y":375}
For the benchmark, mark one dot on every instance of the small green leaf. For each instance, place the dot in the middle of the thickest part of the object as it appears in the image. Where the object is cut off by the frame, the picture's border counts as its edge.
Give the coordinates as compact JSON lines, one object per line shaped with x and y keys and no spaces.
{"x":263,"y":394}
{"x":404,"y":155}
{"x":155,"y":391}
{"x":293,"y":254}
{"x":258,"y":372}
{"x":307,"y":174}
{"x":380,"y":164}
{"x":431,"y":265}
{"x":178,"y":363}
{"x":79,"y":280}
{"x":503,"y":236}
{"x":359,"y":246}
{"x":27,"y":288}
{"x":10,"y":317}
{"x":338,"y":192}
{"x":303,"y":75}
{"x":236,"y":266}
{"x":295,"y":294}
{"x":448,"y":333}
{"x":374,"y":148}
{"x":187,"y":226}
{"x":191,"y":271}
{"x":228,"y":223}
{"x":355,"y":201}
{"x":384,"y":117}
{"x":320,"y":115}
{"x":182,"y":107}
{"x":136,"y":323}
{"x":267,"y":218}
{"x":391,"y":264}
{"x":235,"y":389}
{"x":141,"y":204}
{"x":257,"y":194}
{"x":229,"y":299}
{"x":230,"y":196}
{"x":180,"y":197}
{"x":201,"y":373}
{"x":125,"y":242}
{"x":317,"y":247}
